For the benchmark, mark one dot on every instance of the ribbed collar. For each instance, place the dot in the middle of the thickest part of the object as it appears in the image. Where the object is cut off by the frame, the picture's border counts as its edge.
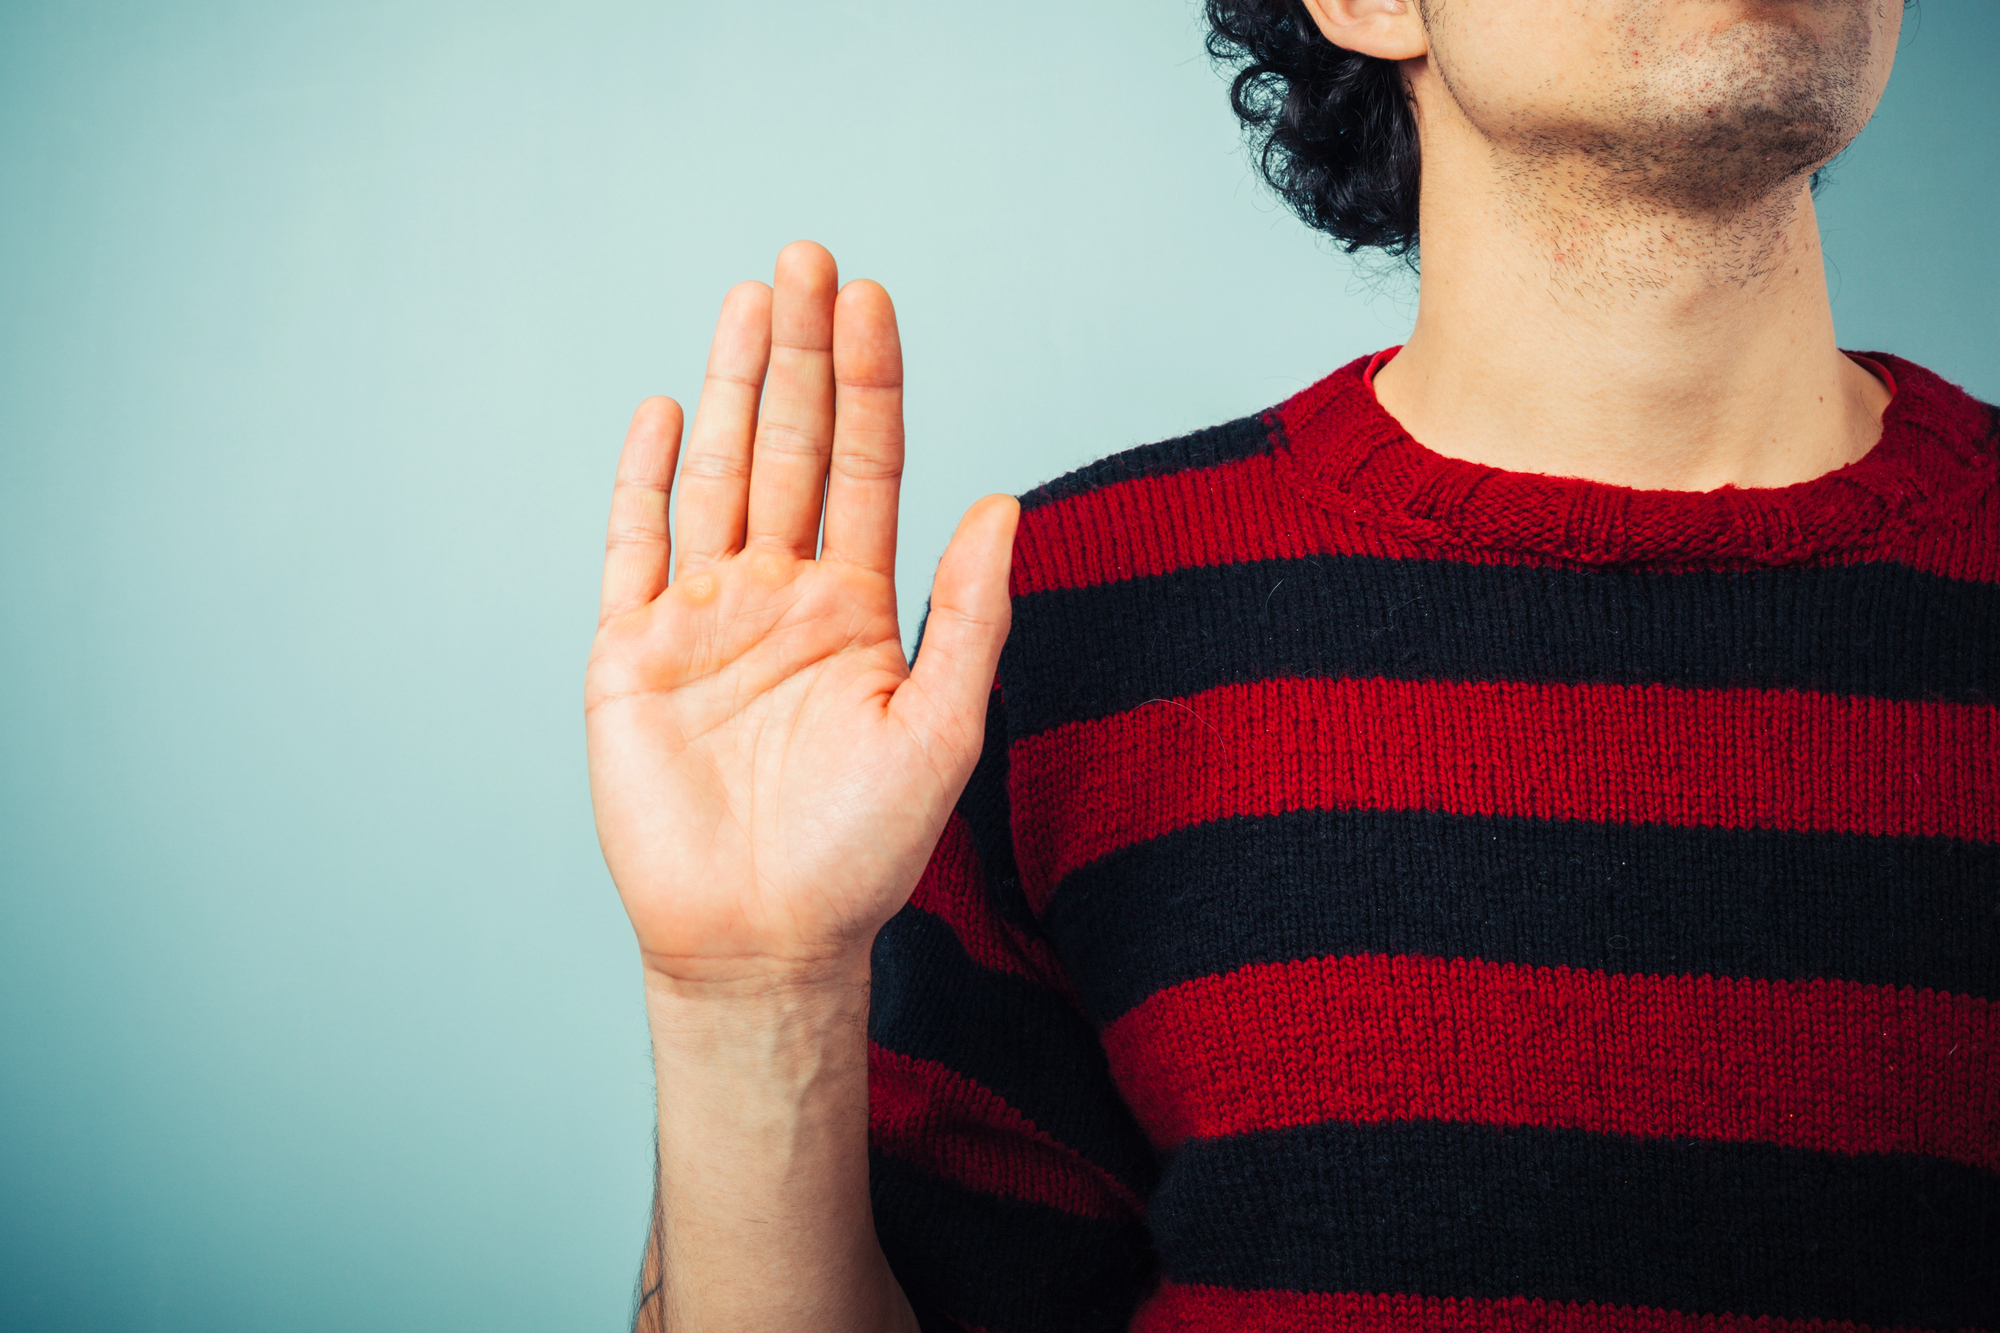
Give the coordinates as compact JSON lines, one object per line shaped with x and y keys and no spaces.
{"x":1934,"y":457}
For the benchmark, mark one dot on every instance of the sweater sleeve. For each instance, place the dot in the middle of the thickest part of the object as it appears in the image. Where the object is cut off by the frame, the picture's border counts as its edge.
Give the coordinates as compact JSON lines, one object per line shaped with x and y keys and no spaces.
{"x":1007,"y":1174}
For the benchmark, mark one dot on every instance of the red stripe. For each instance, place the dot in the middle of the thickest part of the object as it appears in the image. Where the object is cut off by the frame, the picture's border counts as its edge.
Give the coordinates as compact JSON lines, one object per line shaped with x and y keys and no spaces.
{"x":1174,"y":1308}
{"x":1275,"y":506}
{"x":1243,"y":510}
{"x":1616,"y":754}
{"x":953,"y":890}
{"x":1832,"y":1066}
{"x":922,"y":1112}
{"x":1217,"y":515}
{"x":1250,"y":509}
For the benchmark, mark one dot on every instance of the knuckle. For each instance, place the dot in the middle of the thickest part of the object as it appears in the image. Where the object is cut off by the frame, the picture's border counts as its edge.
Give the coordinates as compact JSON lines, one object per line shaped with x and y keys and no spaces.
{"x":640,"y":535}
{"x":781,"y":437}
{"x":714,"y":467}
{"x":868,"y":464}
{"x":649,"y":485}
{"x":693,"y":560}
{"x":870,"y":383}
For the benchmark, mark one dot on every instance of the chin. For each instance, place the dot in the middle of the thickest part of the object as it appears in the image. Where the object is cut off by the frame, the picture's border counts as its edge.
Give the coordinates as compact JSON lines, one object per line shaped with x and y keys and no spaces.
{"x":1743,"y":108}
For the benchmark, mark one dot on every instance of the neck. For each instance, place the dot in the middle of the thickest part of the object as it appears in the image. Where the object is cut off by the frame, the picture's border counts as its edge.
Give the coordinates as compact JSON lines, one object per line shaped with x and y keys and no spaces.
{"x":1564,"y":330}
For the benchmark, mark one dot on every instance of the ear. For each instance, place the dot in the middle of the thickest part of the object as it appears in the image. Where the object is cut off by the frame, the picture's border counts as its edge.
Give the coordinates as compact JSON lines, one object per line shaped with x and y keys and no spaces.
{"x":1389,"y":29}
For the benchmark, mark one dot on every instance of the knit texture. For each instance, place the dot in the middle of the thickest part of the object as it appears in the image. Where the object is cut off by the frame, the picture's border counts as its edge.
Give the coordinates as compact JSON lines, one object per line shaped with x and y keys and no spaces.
{"x":1402,"y":896}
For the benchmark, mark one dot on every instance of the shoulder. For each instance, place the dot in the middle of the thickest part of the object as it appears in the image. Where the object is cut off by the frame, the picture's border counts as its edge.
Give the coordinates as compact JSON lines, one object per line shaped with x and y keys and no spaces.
{"x":1938,"y":463}
{"x":1934,"y":404}
{"x":1110,"y":558}
{"x":1193,"y":499}
{"x":1214,"y":446}
{"x":1146,"y":511}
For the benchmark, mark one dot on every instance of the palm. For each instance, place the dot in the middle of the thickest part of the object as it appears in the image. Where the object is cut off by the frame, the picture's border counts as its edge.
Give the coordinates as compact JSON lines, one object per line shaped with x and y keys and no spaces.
{"x":768,"y":776}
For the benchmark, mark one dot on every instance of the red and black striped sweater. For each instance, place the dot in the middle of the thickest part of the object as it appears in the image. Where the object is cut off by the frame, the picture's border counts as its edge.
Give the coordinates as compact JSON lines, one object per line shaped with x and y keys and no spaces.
{"x":1400,"y":895}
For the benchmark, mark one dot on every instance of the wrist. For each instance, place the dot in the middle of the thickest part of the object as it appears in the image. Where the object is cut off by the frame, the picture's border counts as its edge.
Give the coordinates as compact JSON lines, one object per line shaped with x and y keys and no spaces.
{"x":750,"y":977}
{"x":733,"y":1008}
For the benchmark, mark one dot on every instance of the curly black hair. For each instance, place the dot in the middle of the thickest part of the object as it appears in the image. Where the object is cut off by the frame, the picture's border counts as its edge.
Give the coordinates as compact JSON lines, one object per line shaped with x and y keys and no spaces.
{"x":1338,"y":128}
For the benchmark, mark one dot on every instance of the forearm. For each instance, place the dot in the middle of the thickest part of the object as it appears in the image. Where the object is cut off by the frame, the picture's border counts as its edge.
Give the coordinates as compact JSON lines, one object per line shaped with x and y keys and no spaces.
{"x":763,"y":1220}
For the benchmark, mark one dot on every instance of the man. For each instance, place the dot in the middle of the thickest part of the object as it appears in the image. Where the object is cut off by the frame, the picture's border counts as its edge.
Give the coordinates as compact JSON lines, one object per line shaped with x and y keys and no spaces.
{"x":1509,"y":838}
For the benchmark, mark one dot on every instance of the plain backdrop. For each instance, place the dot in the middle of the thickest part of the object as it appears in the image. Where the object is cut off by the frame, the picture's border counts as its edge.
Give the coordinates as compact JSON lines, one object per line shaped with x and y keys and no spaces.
{"x":319,"y":327}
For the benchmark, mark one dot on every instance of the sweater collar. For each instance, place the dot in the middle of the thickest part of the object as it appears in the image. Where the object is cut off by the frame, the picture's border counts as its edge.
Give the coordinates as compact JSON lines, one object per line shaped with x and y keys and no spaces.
{"x":1935,"y":455}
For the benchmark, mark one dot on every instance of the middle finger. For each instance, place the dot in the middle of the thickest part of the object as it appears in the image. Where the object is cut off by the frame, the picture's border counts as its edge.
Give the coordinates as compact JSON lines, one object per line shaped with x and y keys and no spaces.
{"x":795,"y":426}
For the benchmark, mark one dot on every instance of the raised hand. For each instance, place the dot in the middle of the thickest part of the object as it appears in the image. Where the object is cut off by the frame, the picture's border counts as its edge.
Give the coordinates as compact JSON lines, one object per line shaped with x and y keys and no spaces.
{"x":768,"y":776}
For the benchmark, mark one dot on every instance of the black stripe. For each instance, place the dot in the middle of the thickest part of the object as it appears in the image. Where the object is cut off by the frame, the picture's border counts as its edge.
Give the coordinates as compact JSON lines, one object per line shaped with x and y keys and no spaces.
{"x":1448,"y":1210}
{"x":1001,"y":1264}
{"x":1882,"y":630}
{"x":1025,"y":1042}
{"x":1210,"y":447}
{"x":1618,"y":898}
{"x":988,"y":816}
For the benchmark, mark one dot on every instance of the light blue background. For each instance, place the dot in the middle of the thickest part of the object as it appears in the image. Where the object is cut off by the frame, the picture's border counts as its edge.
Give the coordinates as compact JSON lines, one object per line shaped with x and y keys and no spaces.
{"x":319,"y":327}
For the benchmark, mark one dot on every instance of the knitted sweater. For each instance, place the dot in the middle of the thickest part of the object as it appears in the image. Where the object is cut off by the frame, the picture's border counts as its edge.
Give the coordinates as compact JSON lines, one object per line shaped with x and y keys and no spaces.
{"x":1400,"y":895}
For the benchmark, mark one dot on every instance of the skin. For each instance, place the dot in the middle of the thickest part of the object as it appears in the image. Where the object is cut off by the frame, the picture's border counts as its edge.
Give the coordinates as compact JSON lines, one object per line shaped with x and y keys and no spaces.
{"x":769,"y":779}
{"x":1621,"y":280}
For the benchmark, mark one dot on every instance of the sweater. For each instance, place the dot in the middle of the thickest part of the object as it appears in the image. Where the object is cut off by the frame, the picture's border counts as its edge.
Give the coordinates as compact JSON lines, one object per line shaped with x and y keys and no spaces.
{"x":1404,"y":896}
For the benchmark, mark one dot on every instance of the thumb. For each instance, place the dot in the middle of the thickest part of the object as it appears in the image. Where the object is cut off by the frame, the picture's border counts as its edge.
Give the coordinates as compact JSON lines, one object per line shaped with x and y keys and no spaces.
{"x":944,"y":700}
